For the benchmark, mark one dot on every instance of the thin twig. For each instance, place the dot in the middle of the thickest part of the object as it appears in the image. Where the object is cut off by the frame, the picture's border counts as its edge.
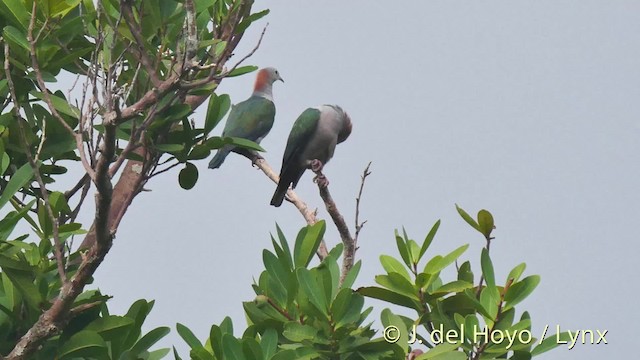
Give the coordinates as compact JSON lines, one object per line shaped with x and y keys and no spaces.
{"x":255,"y":48}
{"x":164,"y":170}
{"x":69,"y":193}
{"x":360,"y":225}
{"x":74,"y":213}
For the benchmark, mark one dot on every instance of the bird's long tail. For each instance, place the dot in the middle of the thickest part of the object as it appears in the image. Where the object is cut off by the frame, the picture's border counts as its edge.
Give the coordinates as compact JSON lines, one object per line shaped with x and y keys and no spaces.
{"x":218,"y":159}
{"x":281,"y":191}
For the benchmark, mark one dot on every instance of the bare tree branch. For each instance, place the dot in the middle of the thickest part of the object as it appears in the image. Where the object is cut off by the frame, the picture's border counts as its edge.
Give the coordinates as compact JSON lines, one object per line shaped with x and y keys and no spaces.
{"x":350,"y":243}
{"x":308,"y":215}
{"x":136,"y":31}
{"x":349,"y":252}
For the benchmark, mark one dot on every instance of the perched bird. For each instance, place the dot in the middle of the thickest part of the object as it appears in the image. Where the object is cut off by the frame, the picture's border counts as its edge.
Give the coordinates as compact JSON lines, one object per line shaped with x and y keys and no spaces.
{"x":251,"y":119}
{"x":311,"y":144}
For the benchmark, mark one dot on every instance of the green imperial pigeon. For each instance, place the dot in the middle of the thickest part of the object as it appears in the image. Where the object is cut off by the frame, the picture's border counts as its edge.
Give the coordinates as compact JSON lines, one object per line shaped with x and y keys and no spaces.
{"x":311,"y":144}
{"x":251,"y":119}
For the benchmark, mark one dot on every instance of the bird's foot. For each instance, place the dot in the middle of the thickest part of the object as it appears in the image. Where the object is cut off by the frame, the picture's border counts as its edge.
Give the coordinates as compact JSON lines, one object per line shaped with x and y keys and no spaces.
{"x":316,"y":165}
{"x":321,"y":180}
{"x":255,"y":158}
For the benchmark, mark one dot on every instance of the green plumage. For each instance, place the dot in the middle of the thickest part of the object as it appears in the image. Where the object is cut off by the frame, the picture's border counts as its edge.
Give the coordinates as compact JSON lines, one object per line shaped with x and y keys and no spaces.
{"x":251,"y":119}
{"x":301,"y":132}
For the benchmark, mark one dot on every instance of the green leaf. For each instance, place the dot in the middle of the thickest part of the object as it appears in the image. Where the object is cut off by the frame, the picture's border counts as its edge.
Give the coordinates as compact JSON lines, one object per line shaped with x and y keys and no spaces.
{"x":438,"y":263}
{"x":393,"y":322}
{"x":452,"y":256}
{"x":346,"y":308}
{"x":177,"y":112}
{"x":17,"y":10}
{"x":551,"y":342}
{"x":232,"y":348}
{"x":306,"y":246}
{"x":286,"y":252}
{"x":397,"y":283}
{"x":269,"y":343}
{"x":9,"y":222}
{"x":188,"y":176}
{"x":60,"y":104}
{"x":278,"y":275}
{"x":5,"y":161}
{"x":468,"y":218}
{"x":485,"y":223}
{"x":297,"y":332}
{"x":403,"y":249}
{"x":218,"y":107}
{"x":452,"y":355}
{"x":312,"y":290}
{"x":138,"y":311}
{"x":158,"y":354}
{"x":388,"y":296}
{"x":465,"y":273}
{"x":23,"y":281}
{"x":242,"y":70}
{"x":433,"y":266}
{"x":487,"y":268}
{"x":170,"y":148}
{"x":16,"y":36}
{"x":207,"y":88}
{"x":351,"y":276}
{"x":199,"y":152}
{"x":520,"y":290}
{"x":392,"y":265}
{"x":454,"y":286}
{"x":251,"y":19}
{"x":489,"y":298}
{"x":45,"y":221}
{"x":188,"y":336}
{"x":71,"y":228}
{"x":441,"y":350}
{"x":429,"y":238}
{"x":85,"y":343}
{"x":148,"y":340}
{"x":110,"y":326}
{"x":414,"y":251}
{"x":19,"y":179}
{"x":62,"y":8}
{"x":244,"y":143}
{"x":516,"y":272}
{"x":471,"y":327}
{"x":58,"y":203}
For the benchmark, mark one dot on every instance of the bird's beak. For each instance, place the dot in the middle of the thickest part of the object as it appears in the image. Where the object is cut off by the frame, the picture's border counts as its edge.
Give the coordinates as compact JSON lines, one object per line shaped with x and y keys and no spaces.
{"x":280,"y":78}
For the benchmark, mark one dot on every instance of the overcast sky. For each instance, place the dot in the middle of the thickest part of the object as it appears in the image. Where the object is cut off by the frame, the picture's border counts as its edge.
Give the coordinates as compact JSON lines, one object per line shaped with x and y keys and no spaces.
{"x":529,"y":109}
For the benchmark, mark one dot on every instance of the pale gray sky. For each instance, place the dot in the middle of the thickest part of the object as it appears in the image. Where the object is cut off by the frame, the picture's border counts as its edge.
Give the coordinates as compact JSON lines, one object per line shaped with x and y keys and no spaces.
{"x":526,"y":108}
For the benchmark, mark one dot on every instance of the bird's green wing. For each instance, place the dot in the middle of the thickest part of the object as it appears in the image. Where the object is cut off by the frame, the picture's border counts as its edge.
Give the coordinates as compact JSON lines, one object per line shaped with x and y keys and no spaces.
{"x":303,"y":129}
{"x":251,"y":119}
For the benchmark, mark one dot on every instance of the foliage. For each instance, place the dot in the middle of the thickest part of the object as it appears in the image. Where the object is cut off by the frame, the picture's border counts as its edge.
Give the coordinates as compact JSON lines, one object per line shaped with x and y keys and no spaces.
{"x":299,"y":312}
{"x":480,"y":317}
{"x":305,"y":313}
